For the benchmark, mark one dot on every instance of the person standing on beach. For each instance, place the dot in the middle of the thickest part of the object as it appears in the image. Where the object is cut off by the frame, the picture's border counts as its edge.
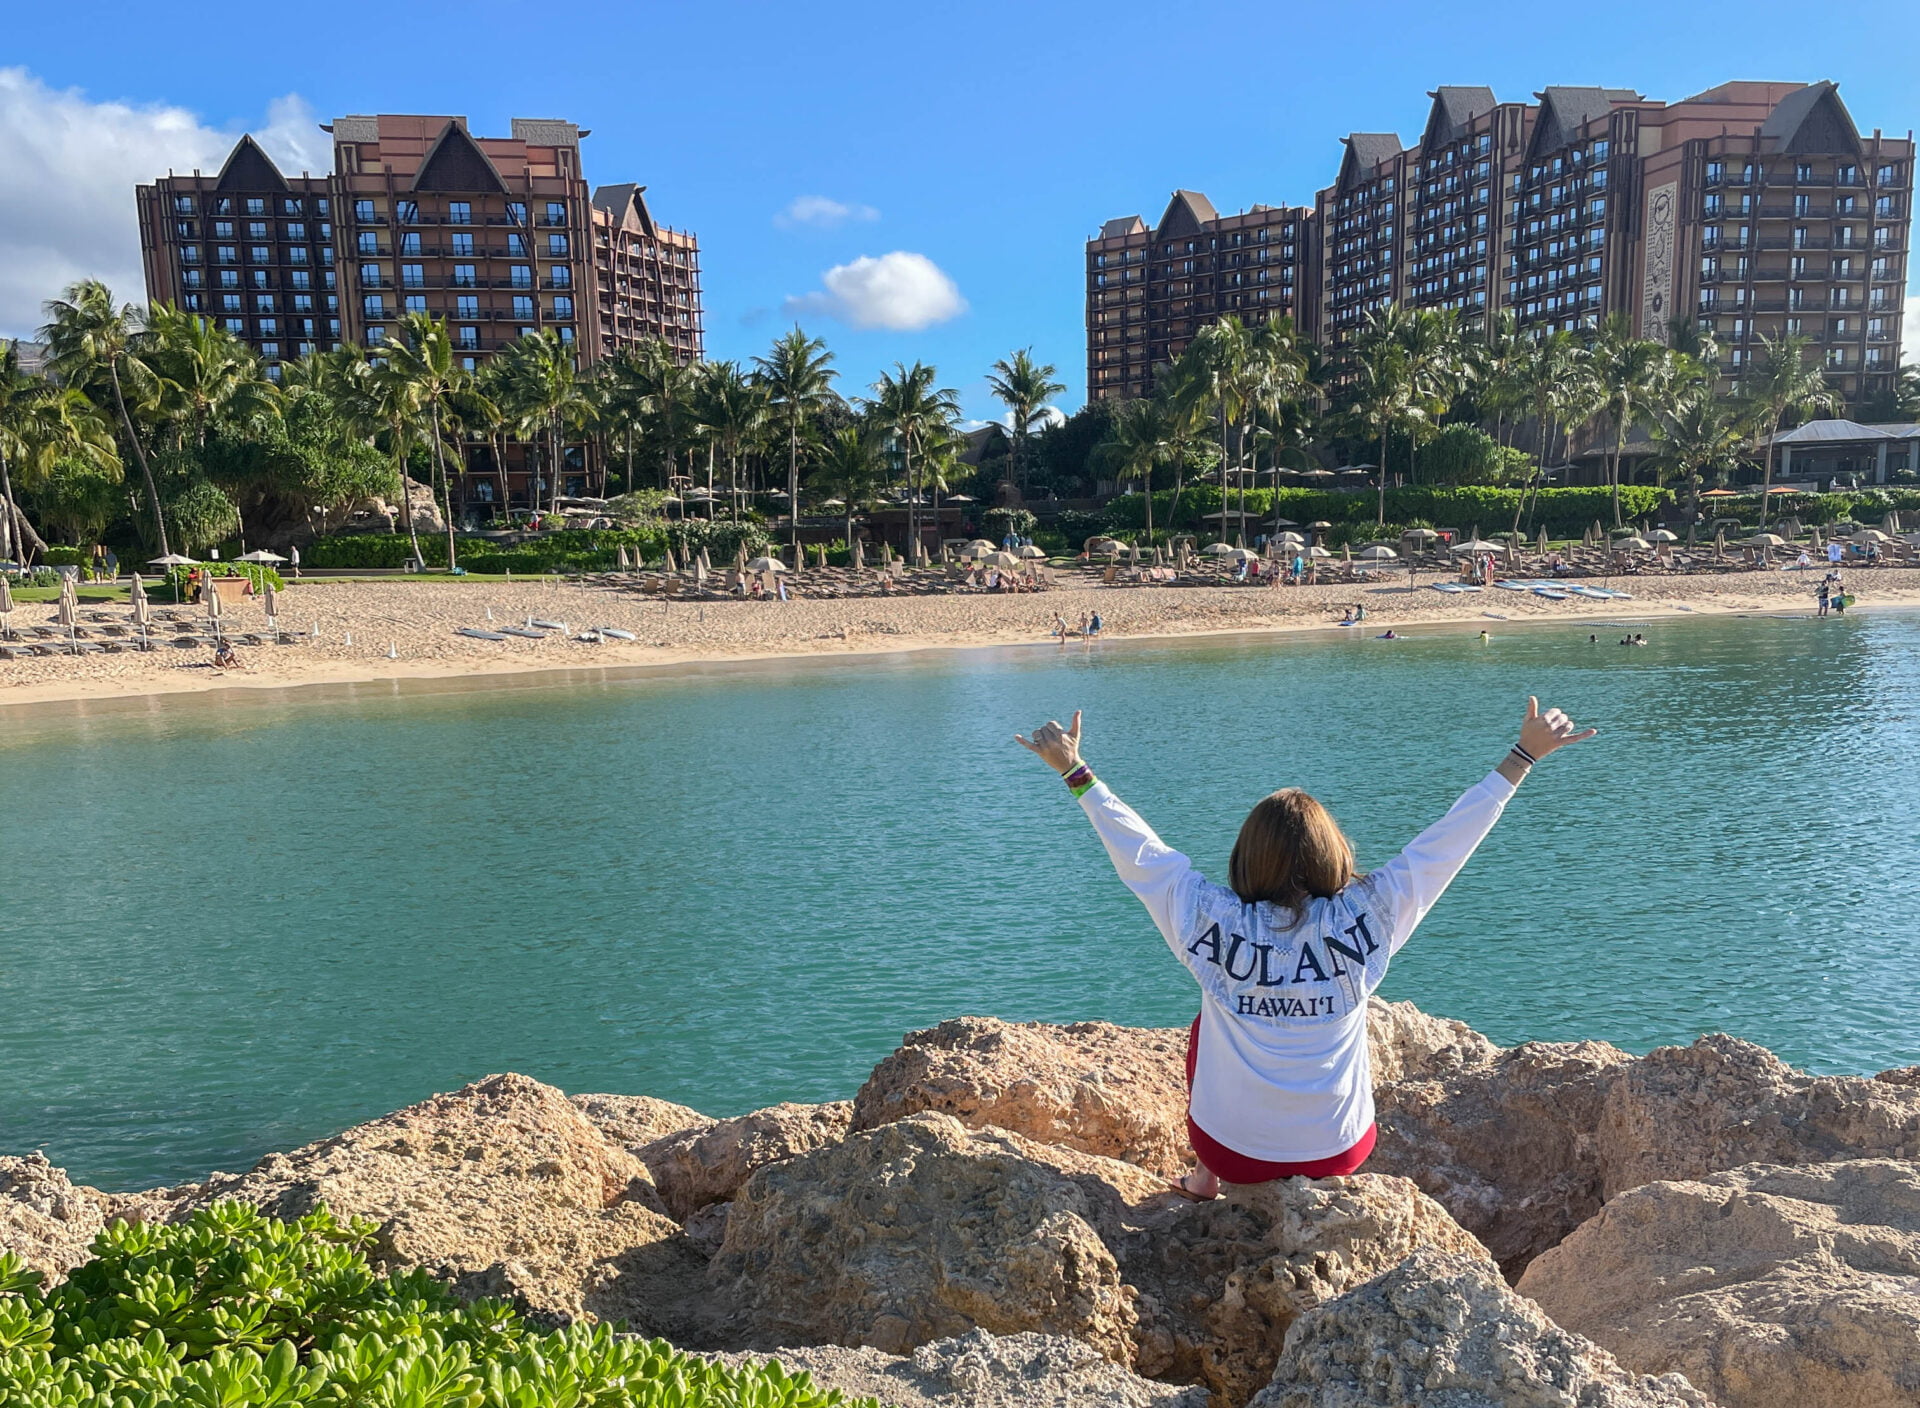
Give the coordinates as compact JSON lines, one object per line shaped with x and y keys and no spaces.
{"x":1825,"y":593}
{"x":1285,"y":955}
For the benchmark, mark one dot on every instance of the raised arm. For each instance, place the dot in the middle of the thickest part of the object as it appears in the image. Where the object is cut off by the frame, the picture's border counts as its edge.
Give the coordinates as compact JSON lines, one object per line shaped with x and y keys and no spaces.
{"x":1414,"y":880}
{"x":1160,"y":876}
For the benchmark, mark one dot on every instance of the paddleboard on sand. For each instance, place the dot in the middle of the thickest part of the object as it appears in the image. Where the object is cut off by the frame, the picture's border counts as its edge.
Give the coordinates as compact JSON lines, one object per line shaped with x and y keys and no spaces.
{"x":611,"y":634}
{"x":1452,"y":588}
{"x":1507,"y":586}
{"x":1550,"y":593}
{"x":474,"y":634}
{"x":548,"y":625}
{"x":524,"y":634}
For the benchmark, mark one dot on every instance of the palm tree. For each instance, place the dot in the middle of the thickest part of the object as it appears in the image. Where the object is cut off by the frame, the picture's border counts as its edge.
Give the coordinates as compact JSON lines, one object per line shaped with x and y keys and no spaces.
{"x":40,"y":423}
{"x":1381,"y":400}
{"x":389,"y":402}
{"x":546,"y":396}
{"x":1024,"y":387}
{"x":206,"y":374}
{"x":730,"y":407}
{"x":1220,"y":355}
{"x":1632,"y":373}
{"x":911,"y":409}
{"x":1139,"y":443}
{"x":1502,"y":358}
{"x":1701,"y":436}
{"x":1277,"y":385}
{"x":87,"y":336}
{"x":435,"y":382}
{"x":1437,"y":367}
{"x":797,"y":376}
{"x":850,"y":467}
{"x":1779,"y":383}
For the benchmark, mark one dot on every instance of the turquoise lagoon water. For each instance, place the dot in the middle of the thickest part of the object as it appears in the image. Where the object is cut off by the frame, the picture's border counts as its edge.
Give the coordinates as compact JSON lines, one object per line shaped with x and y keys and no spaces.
{"x":235,"y":923}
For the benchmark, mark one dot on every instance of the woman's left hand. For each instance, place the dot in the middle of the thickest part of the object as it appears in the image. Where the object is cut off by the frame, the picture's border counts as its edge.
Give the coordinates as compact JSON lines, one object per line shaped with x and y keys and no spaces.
{"x":1058,"y":747}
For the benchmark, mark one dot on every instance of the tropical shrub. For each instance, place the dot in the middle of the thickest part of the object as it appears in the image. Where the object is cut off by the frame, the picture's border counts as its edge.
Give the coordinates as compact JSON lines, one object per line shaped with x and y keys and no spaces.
{"x":261,"y":574}
{"x":233,"y":1309}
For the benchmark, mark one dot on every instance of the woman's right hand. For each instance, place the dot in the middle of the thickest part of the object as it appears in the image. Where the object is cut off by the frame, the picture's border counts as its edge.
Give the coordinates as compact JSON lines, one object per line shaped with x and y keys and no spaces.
{"x":1058,"y":747}
{"x":1541,"y":734}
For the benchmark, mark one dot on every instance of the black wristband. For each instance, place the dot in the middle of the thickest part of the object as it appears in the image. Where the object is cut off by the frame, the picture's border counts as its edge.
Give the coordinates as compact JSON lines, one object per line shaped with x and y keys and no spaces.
{"x":1523,"y":755}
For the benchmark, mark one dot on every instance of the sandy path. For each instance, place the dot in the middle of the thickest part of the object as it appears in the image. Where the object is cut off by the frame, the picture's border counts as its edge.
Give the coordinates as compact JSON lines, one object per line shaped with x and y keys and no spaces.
{"x":359,"y":622}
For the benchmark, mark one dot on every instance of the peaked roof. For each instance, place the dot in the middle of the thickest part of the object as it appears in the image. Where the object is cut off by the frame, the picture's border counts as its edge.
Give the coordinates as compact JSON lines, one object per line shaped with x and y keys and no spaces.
{"x":249,"y":168}
{"x":1564,"y":111}
{"x":1454,"y":110}
{"x":456,"y":163}
{"x":1813,"y":119}
{"x":1365,"y":150}
{"x":1125,"y":225}
{"x":1816,"y":432}
{"x":627,"y":203}
{"x":1186,"y":214}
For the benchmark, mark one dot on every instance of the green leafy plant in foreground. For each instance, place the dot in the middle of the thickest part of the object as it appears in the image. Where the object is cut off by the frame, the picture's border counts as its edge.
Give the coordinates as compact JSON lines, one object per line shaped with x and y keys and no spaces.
{"x":233,"y":1309}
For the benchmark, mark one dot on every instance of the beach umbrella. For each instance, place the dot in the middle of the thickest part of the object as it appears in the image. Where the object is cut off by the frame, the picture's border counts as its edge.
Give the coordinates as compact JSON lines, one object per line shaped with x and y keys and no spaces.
{"x":1032,"y":553}
{"x":1216,"y":549}
{"x":213,"y":608}
{"x":1284,"y":523}
{"x":172,"y":559}
{"x":65,"y":610}
{"x":1661,"y":535}
{"x":1764,"y":540}
{"x":1541,"y":544}
{"x":766,"y":564}
{"x":1241,"y":555}
{"x":961,"y":499}
{"x":1634,"y":544}
{"x":998,"y":558}
{"x":1719,"y":542}
{"x":1475,"y":544}
{"x":859,"y":553}
{"x":1871,"y":535}
{"x":740,"y":556}
{"x":670,"y":564}
{"x":1317,"y":551}
{"x":1133,"y":554}
{"x":1816,"y":544}
{"x":620,"y":557}
{"x":261,"y":555}
{"x":1378,"y":552}
{"x":706,"y":563}
{"x":834,"y":503}
{"x":1424,"y":535}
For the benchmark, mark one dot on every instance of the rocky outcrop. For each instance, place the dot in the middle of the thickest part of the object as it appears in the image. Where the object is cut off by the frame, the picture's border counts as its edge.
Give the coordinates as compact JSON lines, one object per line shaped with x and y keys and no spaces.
{"x":1119,"y":1092}
{"x":979,"y":1370}
{"x":1768,"y":1287}
{"x":1445,"y":1330}
{"x":638,"y":1120}
{"x":504,"y":1188}
{"x":1506,"y":1145}
{"x":1221,"y":1283}
{"x":706,"y":1164}
{"x":1682,"y":1112}
{"x":45,"y":1219}
{"x":1404,"y":1043}
{"x":923,"y":1229}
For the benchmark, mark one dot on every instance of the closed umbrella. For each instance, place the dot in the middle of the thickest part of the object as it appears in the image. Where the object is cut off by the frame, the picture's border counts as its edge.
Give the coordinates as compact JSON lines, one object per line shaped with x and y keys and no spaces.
{"x":6,"y":609}
{"x":859,"y":553}
{"x":142,"y":613}
{"x":620,"y":558}
{"x":213,"y":609}
{"x":670,"y":564}
{"x":1541,"y":545}
{"x":273,"y":609}
{"x":67,"y":614}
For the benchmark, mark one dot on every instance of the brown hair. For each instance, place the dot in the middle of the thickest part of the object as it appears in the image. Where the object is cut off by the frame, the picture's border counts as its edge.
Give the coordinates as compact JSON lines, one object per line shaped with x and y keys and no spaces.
{"x":1290,"y":849}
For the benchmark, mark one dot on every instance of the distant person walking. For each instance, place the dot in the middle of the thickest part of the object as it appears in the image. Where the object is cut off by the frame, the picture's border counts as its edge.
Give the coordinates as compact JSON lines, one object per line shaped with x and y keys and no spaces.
{"x":1278,"y":1078}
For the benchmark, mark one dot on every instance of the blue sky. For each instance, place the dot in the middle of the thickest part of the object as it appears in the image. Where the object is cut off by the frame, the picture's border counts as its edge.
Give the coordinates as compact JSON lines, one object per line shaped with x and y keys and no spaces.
{"x":987,"y":140}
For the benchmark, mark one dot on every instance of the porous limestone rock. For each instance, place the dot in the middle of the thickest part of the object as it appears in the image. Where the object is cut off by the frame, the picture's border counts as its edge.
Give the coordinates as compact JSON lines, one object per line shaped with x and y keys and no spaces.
{"x":706,"y":1164}
{"x":1440,"y":1330}
{"x":1768,"y":1287}
{"x":1405,"y":1043}
{"x":1505,"y":1145}
{"x":1119,"y":1092}
{"x":637,"y":1120}
{"x":923,"y":1229}
{"x":1221,"y":1283}
{"x":45,"y":1219}
{"x":504,"y":1188}
{"x":979,"y":1370}
{"x":1682,"y":1112}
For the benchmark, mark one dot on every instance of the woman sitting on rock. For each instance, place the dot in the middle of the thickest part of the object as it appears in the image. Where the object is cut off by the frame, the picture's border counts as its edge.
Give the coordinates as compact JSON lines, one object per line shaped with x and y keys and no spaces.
{"x":1277,"y":1069}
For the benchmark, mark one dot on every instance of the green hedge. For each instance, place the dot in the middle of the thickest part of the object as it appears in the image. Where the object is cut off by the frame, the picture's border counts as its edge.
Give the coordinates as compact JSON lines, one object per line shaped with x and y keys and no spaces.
{"x":1563,"y":512}
{"x":236,"y":1310}
{"x":570,"y":550}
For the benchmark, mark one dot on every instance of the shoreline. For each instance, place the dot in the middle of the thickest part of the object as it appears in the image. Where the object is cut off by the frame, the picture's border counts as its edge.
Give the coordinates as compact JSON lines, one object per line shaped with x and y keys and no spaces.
{"x":1182,"y":614}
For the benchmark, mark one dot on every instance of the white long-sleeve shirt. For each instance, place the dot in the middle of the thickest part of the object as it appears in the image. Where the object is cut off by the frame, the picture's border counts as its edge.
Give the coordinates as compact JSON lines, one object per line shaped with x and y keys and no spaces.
{"x":1282,"y":1073}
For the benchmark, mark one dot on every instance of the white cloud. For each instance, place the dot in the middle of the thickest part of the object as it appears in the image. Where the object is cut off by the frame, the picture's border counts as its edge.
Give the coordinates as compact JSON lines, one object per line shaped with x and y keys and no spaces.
{"x":822,"y":213}
{"x":68,"y":166}
{"x":898,"y":291}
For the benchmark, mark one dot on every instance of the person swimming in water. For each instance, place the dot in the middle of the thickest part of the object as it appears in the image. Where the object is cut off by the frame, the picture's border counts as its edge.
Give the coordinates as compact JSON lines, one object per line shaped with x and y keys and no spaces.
{"x":1387,"y":635}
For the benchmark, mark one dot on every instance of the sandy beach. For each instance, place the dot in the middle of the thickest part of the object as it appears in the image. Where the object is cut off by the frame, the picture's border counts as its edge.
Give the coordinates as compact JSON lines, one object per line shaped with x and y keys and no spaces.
{"x":361,"y":622}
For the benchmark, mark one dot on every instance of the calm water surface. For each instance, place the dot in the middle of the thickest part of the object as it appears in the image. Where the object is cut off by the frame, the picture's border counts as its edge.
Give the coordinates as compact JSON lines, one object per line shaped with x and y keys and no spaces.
{"x":234,"y":924}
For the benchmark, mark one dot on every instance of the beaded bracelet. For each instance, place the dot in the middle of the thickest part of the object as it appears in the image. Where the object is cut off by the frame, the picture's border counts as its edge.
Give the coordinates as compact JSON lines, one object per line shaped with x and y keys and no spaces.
{"x":1078,"y":779}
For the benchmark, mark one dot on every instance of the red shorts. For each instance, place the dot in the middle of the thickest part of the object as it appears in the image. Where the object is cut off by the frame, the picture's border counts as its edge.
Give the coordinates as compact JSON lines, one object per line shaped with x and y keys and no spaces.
{"x":1230,"y":1167}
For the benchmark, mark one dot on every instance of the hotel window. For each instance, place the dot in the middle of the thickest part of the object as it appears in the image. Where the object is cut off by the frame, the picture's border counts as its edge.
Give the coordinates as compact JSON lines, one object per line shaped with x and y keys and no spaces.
{"x":1845,"y":205}
{"x":290,"y":205}
{"x":1885,"y":175}
{"x":459,"y":212}
{"x":326,"y":230}
{"x":566,"y":334}
{"x":190,"y":254}
{"x":1884,"y":206}
{"x":527,"y":331}
{"x":562,"y":307}
{"x":300,"y":278}
{"x":414,"y":303}
{"x":516,"y":247}
{"x":413,"y":276}
{"x":230,"y":303}
{"x":522,"y":306}
{"x":516,"y":212}
{"x":226,"y":254}
{"x":323,"y":207}
{"x":463,"y":245}
{"x":229,"y":278}
{"x":297,"y":255}
{"x":463,"y":276}
{"x":257,"y":230}
{"x":183,"y":229}
{"x":183,"y":205}
{"x":223,"y":229}
{"x":410,"y":243}
{"x":557,"y":246}
{"x":376,"y":334}
{"x":556,"y":212}
{"x":1843,"y":268}
{"x":521,"y":276}
{"x":467,"y":306}
{"x":263,"y":303}
{"x":296,"y":230}
{"x":469,"y":338}
{"x":1803,"y":171}
{"x":562,"y":275}
{"x":303,"y":303}
{"x":269,"y":327}
{"x":192,"y":302}
{"x":363,"y":212}
{"x":237,"y":326}
{"x":260,"y":278}
{"x":256,"y":205}
{"x":259,"y":254}
{"x":222,"y":205}
{"x":191,"y":278}
{"x":373,"y":305}
{"x":408,"y":211}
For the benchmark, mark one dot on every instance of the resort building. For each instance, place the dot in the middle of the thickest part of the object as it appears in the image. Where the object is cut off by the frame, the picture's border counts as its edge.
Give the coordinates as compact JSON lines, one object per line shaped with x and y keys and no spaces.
{"x":500,"y":236}
{"x":1150,"y":290}
{"x":1758,"y":209}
